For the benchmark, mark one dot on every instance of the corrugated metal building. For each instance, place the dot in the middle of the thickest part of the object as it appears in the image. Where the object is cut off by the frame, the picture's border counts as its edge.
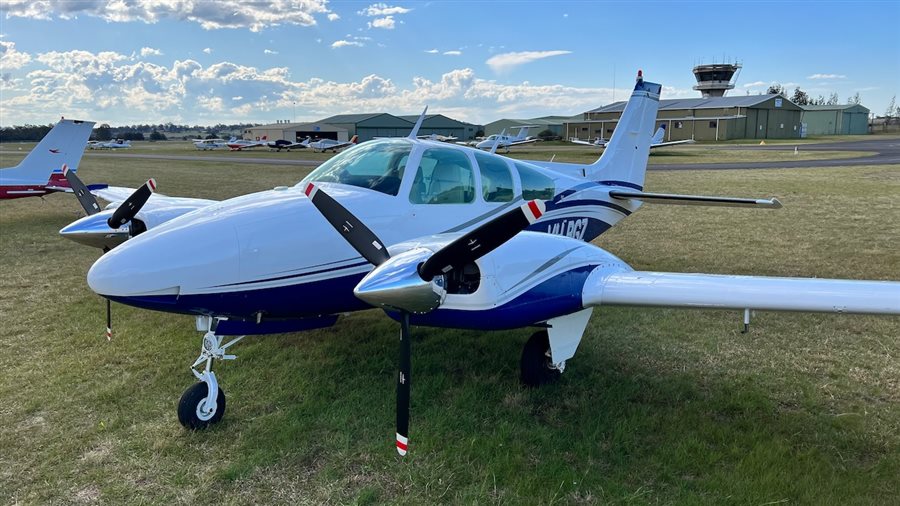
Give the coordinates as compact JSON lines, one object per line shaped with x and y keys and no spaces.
{"x":369,"y":126}
{"x":704,"y":119}
{"x":442,"y":125}
{"x":552,"y":123}
{"x":848,"y":119}
{"x":295,"y":132}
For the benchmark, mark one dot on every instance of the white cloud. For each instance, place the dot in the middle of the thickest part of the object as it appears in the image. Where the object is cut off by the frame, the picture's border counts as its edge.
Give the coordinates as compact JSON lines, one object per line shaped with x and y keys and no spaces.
{"x":10,"y":58}
{"x":755,"y":84}
{"x":345,"y":43}
{"x":453,"y":53}
{"x":207,"y":50}
{"x":386,"y":23}
{"x":827,"y":76}
{"x":382,"y":9}
{"x":269,"y":51}
{"x":237,"y":98}
{"x":333,"y":16}
{"x":507,"y":61}
{"x":210,"y":14}
{"x":432,"y":51}
{"x":149,"y":51}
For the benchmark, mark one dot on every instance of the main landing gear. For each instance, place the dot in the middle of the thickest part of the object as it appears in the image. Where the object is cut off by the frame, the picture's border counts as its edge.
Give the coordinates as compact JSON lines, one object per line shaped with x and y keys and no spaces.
{"x":536,"y":366}
{"x":203,"y":404}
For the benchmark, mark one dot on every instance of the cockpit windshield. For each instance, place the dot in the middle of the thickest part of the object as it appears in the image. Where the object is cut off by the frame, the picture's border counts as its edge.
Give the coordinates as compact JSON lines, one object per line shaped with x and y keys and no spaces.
{"x":377,"y":165}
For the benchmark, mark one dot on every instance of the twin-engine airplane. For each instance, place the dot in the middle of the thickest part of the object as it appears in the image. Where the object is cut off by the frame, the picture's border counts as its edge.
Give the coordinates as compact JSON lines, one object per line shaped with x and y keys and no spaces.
{"x":506,"y":141}
{"x":430,"y":232}
{"x":41,"y":171}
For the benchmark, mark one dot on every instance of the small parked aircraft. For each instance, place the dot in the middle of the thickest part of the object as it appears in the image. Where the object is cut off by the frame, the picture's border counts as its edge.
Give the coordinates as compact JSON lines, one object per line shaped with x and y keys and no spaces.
{"x":111,"y":144}
{"x":438,"y":137}
{"x":323,"y":145}
{"x":656,"y":142}
{"x":505,"y":141}
{"x":235,"y":144}
{"x":41,"y":171}
{"x":280,"y":144}
{"x":437,"y":235}
{"x":210,"y":144}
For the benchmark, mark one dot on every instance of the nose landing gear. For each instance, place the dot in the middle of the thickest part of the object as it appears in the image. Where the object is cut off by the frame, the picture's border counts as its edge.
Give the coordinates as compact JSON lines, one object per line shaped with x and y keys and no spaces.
{"x":203,"y":404}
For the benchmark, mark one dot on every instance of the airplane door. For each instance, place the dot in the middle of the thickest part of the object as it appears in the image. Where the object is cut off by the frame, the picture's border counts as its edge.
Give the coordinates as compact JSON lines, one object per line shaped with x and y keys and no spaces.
{"x":762,"y":124}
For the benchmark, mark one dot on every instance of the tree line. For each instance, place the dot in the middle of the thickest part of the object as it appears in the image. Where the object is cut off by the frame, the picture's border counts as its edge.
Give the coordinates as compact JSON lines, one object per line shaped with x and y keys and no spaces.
{"x":105,"y":132}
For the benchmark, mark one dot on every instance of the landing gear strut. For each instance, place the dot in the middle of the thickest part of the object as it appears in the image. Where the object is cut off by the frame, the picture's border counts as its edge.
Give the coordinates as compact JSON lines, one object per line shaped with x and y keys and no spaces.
{"x":537,"y":367}
{"x":203,"y":404}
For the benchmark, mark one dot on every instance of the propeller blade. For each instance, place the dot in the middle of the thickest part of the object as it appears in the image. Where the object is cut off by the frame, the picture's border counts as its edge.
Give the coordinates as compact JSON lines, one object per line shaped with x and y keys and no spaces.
{"x":403,"y":379}
{"x":363,"y":240}
{"x":129,"y":209}
{"x":482,"y":240}
{"x":84,"y":196}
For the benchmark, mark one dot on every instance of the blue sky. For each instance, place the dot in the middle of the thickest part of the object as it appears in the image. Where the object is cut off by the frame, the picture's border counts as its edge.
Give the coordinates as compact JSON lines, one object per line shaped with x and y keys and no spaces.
{"x":225,"y":61}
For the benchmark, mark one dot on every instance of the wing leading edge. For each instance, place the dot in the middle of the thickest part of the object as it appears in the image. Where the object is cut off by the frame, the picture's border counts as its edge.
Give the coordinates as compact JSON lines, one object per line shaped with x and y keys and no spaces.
{"x":712,"y":291}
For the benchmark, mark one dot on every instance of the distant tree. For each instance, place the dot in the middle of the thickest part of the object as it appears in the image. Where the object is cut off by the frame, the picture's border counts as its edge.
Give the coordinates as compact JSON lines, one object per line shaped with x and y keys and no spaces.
{"x":800,"y":97}
{"x":775,"y":89}
{"x":103,"y":132}
{"x":891,"y":110}
{"x":212,"y":135}
{"x":157,"y":136}
{"x":855,"y":99}
{"x":833,"y":99}
{"x":818,"y":101}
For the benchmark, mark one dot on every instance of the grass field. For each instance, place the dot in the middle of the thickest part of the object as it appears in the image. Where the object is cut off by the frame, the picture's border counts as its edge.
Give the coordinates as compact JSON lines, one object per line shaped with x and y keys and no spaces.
{"x":658,"y":406}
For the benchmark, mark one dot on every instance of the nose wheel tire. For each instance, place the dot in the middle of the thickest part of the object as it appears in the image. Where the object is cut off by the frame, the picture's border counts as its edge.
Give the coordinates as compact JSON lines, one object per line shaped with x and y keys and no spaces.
{"x":193,"y":412}
{"x":536,"y":367}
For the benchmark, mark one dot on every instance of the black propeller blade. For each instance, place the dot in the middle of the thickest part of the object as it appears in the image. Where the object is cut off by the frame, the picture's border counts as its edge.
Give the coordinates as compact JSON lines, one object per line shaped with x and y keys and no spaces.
{"x":403,"y":380}
{"x":129,"y":209}
{"x":482,"y":240}
{"x":363,"y":240}
{"x":84,"y":196}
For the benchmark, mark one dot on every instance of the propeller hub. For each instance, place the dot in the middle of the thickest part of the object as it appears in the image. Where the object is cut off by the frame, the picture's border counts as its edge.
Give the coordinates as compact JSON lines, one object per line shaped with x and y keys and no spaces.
{"x":396,"y":284}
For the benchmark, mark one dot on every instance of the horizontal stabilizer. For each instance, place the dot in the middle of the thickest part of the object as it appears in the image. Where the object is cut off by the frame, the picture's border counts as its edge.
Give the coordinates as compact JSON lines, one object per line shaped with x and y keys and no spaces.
{"x":694,"y":200}
{"x":712,"y":291}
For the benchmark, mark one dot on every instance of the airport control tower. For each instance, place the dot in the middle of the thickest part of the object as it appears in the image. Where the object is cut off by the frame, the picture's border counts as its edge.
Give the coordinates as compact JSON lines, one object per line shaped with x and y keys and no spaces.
{"x":714,"y":79}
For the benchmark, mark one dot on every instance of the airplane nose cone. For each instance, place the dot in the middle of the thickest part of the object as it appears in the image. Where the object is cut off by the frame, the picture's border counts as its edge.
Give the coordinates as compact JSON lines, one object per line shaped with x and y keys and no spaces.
{"x":167,"y":260}
{"x":95,"y":232}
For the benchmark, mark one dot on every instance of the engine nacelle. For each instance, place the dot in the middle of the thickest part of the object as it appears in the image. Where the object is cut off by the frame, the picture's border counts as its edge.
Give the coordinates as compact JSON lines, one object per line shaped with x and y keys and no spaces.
{"x":396,"y":284}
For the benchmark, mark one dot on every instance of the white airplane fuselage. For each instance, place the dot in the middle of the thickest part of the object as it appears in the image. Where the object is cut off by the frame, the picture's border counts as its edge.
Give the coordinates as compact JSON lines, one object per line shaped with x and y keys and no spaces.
{"x":272,"y":255}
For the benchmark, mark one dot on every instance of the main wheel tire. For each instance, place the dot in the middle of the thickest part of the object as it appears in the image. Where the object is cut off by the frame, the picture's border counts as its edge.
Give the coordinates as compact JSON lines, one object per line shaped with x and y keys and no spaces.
{"x":535,"y":367}
{"x":190,"y":408}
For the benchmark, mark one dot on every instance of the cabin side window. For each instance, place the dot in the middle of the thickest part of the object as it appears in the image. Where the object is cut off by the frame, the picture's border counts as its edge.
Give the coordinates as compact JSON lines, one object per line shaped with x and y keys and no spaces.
{"x":444,"y":176}
{"x":534,"y":184}
{"x":496,"y":179}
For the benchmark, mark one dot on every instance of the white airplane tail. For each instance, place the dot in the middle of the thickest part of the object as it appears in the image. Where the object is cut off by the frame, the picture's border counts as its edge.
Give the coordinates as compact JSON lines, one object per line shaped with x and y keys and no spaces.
{"x":523,"y":134}
{"x":625,"y":158}
{"x":63,"y":145}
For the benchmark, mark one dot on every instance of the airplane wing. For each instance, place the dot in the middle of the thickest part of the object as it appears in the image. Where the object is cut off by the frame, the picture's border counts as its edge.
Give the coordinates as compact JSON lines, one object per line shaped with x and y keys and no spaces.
{"x":523,"y":141}
{"x":583,"y":143}
{"x":672,"y":143}
{"x":115,"y":195}
{"x":694,"y":200}
{"x":712,"y":291}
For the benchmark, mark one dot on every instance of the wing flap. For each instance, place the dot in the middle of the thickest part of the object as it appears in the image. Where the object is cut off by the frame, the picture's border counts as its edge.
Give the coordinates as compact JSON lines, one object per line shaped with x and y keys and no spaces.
{"x":694,"y":200}
{"x":711,"y":291}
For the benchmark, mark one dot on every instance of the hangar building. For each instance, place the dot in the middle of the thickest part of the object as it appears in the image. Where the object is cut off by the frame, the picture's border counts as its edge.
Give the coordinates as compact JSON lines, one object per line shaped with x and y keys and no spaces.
{"x":553,"y":123}
{"x":295,"y":132}
{"x":848,"y":119}
{"x":704,"y":119}
{"x":369,"y":126}
{"x":442,"y":125}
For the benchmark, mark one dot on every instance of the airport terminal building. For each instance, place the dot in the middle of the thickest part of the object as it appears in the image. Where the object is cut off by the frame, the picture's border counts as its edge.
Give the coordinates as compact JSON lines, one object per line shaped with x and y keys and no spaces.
{"x":342,"y":127}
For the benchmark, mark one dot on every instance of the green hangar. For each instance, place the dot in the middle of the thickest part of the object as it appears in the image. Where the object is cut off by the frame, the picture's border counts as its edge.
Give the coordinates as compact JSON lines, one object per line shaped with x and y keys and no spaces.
{"x":849,"y":119}
{"x":704,"y":119}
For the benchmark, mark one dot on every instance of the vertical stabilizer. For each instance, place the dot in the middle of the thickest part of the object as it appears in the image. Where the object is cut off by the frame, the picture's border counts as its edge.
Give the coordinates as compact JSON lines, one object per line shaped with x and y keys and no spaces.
{"x":63,"y":145}
{"x":658,"y":136}
{"x":523,"y":133}
{"x":625,"y":158}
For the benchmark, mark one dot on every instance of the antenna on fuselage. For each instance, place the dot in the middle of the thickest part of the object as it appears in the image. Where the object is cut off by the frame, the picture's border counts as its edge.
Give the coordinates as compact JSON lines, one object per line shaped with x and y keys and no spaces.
{"x":415,"y":130}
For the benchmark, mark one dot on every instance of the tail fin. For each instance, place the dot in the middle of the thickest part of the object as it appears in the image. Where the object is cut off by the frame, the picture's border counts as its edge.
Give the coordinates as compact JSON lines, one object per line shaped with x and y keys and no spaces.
{"x":523,"y":134}
{"x":625,"y":158}
{"x":63,"y":145}
{"x":354,"y":140}
{"x":658,"y":136}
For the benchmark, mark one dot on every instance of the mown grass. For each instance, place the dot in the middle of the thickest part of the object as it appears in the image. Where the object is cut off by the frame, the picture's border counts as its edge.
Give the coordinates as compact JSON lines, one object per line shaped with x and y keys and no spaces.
{"x":658,"y":406}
